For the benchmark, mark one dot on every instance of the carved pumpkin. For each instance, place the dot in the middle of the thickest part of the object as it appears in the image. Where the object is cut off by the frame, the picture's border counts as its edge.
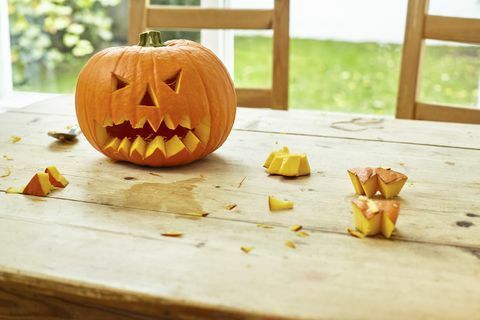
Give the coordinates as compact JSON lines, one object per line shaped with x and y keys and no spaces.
{"x":155,"y":104}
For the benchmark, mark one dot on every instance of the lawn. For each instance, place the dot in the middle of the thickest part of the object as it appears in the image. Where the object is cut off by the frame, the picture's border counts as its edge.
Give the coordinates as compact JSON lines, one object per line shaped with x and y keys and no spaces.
{"x":331,"y":75}
{"x":358,"y":77}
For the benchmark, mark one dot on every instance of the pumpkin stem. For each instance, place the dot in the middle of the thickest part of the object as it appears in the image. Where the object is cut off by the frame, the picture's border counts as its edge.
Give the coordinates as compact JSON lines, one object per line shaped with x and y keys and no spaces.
{"x":150,"y":39}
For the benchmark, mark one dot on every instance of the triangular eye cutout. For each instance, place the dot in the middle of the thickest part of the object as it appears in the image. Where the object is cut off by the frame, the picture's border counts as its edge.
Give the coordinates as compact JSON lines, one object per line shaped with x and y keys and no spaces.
{"x":148,"y":99}
{"x":174,"y":82}
{"x":118,"y":82}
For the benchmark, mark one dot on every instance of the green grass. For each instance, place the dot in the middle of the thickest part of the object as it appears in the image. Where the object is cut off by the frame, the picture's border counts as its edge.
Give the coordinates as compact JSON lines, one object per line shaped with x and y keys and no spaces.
{"x":358,"y":77}
{"x":330,"y":75}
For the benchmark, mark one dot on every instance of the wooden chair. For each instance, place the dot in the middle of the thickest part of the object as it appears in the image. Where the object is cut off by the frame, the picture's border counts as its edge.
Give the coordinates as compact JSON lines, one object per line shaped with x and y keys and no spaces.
{"x":144,"y":16}
{"x":420,"y":26}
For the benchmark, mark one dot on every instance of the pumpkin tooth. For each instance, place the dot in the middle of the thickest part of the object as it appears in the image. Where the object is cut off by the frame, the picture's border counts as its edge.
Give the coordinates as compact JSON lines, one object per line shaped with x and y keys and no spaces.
{"x":202,"y":131}
{"x":191,"y":141}
{"x":101,"y":134}
{"x":124,"y":147}
{"x":168,"y":121}
{"x":173,"y":146}
{"x":157,"y":143}
{"x":154,"y":124}
{"x":140,"y":123}
{"x":119,"y":121}
{"x":185,"y":122}
{"x":112,"y":144}
{"x":107,"y":122}
{"x":138,"y":147}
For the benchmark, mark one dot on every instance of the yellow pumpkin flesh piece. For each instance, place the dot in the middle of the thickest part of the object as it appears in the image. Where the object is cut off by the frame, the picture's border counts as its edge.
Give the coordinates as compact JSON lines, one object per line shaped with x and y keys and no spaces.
{"x":274,"y":154}
{"x":282,"y":162}
{"x":276,"y":204}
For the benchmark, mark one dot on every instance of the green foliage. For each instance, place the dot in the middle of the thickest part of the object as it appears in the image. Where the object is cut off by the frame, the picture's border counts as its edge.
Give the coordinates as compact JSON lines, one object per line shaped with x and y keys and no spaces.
{"x":47,"y":33}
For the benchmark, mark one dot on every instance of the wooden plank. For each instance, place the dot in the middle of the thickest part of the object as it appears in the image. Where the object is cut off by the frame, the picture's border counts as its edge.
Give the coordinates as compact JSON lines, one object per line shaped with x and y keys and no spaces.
{"x":439,"y":196}
{"x":464,"y":30}
{"x":205,"y":274}
{"x":312,"y":123}
{"x":261,"y":98}
{"x":136,"y":19}
{"x":281,"y":43}
{"x":186,"y":17}
{"x":426,"y":111}
{"x":410,"y":71}
{"x":111,"y":211}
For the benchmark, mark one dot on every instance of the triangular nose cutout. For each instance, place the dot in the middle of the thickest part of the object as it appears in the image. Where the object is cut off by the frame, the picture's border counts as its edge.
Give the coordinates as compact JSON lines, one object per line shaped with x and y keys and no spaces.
{"x":118,"y":83}
{"x":148,"y":99}
{"x":174,"y":82}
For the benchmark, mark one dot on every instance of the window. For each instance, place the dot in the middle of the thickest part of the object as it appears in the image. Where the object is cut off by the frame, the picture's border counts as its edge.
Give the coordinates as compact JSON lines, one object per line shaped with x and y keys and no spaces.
{"x":344,"y":55}
{"x":5,"y":66}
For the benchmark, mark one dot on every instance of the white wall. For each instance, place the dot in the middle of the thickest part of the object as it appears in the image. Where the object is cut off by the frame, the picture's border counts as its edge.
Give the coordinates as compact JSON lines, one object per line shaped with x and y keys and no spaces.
{"x":357,"y":20}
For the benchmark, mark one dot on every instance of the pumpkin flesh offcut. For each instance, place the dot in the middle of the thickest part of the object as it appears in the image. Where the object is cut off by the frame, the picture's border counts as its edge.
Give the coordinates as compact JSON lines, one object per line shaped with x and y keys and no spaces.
{"x":276,"y":204}
{"x":390,"y":182}
{"x":367,"y":181}
{"x":373,"y":217}
{"x":55,"y":177}
{"x":39,"y":185}
{"x":364,"y":181}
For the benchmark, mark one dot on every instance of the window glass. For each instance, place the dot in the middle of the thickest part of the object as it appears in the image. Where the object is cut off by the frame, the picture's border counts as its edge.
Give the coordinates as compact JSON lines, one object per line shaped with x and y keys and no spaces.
{"x":450,"y":74}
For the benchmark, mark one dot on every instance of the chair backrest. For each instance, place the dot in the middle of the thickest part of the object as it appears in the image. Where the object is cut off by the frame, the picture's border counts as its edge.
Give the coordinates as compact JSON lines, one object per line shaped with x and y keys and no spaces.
{"x":144,"y":16}
{"x":420,"y":26}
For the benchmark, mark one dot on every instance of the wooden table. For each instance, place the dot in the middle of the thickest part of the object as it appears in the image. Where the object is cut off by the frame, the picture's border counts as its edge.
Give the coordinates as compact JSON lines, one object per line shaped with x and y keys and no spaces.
{"x":95,"y":251}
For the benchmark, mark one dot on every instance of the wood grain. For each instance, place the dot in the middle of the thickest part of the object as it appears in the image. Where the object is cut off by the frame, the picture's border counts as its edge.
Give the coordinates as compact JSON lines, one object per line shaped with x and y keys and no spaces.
{"x":432,"y":112}
{"x":413,"y":46}
{"x":136,"y":19}
{"x":184,"y":17}
{"x":466,"y":30}
{"x":435,"y":173}
{"x":308,"y":123}
{"x":256,"y":98}
{"x":281,"y":45}
{"x":207,"y":271}
{"x":95,"y":250}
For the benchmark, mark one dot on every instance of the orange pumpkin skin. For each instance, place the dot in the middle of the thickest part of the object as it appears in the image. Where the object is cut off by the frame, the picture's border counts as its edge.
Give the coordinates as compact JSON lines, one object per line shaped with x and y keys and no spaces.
{"x":178,"y":98}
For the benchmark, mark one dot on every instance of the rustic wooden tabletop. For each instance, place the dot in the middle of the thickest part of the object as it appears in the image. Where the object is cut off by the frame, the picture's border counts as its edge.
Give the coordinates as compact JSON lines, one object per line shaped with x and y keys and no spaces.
{"x":94,"y":250}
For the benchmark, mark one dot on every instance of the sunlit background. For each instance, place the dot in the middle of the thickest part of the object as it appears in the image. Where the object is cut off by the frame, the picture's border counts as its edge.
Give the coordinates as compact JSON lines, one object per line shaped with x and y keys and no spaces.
{"x":345,"y":54}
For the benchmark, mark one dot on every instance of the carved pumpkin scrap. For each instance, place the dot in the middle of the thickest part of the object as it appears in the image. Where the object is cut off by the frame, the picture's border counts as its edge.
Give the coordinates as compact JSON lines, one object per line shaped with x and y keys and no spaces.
{"x":155,"y":104}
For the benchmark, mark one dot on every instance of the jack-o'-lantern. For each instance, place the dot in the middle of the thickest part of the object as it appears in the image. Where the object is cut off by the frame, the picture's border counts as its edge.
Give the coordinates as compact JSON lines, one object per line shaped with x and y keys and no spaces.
{"x":155,"y":104}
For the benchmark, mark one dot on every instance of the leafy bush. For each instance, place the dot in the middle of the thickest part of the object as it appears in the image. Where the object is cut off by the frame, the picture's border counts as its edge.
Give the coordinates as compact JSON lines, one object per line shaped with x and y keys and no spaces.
{"x":46,"y":33}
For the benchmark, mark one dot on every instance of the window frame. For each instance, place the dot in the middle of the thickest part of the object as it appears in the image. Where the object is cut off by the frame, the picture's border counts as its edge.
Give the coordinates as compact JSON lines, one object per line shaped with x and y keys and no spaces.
{"x":221,"y":42}
{"x":6,"y":81}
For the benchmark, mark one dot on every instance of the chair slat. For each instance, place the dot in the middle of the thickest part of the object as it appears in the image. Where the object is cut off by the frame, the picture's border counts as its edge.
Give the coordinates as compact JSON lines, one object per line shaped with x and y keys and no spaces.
{"x":452,"y":29}
{"x":185,"y":17}
{"x":281,"y":45}
{"x":411,"y":59}
{"x":425,"y":111}
{"x":257,"y":98}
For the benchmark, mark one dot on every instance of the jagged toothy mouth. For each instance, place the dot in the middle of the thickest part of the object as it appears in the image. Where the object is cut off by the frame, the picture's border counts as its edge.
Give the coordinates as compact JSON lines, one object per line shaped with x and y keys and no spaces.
{"x":142,"y":141}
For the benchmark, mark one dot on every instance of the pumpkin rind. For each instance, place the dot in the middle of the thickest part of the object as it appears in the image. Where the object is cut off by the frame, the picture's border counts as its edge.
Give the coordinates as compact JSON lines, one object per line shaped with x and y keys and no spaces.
{"x":180,"y":89}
